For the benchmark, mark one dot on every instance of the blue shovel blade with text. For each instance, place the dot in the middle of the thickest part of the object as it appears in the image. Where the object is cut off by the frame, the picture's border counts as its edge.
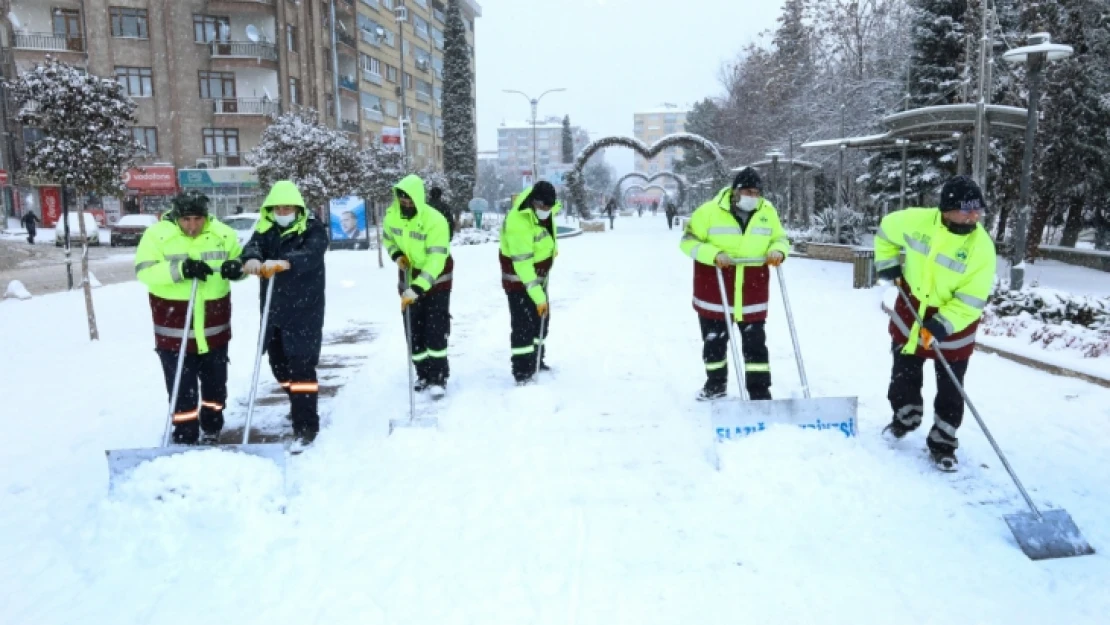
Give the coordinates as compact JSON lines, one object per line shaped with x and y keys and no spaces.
{"x":735,"y":418}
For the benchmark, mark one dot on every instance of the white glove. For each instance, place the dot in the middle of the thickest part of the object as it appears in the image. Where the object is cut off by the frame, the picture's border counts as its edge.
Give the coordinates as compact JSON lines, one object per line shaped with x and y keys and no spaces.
{"x":252,"y":267}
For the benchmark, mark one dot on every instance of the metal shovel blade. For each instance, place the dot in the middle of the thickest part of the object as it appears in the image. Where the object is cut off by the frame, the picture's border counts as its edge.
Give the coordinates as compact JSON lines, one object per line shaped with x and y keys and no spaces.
{"x":1052,"y":535}
{"x":735,"y":418}
{"x":121,"y":462}
{"x":417,"y":422}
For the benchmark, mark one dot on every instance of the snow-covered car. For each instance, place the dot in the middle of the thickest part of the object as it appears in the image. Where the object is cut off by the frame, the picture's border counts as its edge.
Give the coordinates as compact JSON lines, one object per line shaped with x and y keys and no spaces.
{"x":130,"y":228}
{"x":243,"y":224}
{"x":92,"y":230}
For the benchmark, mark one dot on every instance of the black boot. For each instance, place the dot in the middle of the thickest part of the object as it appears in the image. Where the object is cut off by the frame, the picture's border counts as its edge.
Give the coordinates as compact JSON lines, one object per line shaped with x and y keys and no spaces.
{"x":712,"y":391}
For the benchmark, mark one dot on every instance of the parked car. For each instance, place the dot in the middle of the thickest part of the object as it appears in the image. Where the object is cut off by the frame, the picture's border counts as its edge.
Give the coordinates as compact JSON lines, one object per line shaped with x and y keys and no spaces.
{"x":243,"y":224}
{"x":130,"y":228}
{"x":92,"y":230}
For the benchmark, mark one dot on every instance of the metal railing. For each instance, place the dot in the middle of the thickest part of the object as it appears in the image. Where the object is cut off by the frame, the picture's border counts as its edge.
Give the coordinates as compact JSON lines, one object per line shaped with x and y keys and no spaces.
{"x":349,"y":125}
{"x":423,"y":97}
{"x":244,"y":49}
{"x":346,"y":38}
{"x":247,"y":106}
{"x":424,"y":128}
{"x":372,"y":115}
{"x":224,"y":160}
{"x":49,"y":41}
{"x":348,"y":82}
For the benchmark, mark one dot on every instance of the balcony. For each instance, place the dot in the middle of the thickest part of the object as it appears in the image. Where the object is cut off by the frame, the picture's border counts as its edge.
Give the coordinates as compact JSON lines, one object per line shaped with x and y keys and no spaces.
{"x":372,"y":115}
{"x":423,"y":128}
{"x":345,"y":6}
{"x":243,"y":50}
{"x":371,"y":77}
{"x":439,"y":15}
{"x":348,"y":125}
{"x":423,"y":97}
{"x":220,"y":160}
{"x":49,"y":42}
{"x":247,"y":106}
{"x":346,"y":38}
{"x":348,"y":82}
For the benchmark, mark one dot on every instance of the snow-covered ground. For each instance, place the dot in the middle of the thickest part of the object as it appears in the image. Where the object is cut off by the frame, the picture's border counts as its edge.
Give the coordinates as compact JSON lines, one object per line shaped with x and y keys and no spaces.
{"x":585,"y":499}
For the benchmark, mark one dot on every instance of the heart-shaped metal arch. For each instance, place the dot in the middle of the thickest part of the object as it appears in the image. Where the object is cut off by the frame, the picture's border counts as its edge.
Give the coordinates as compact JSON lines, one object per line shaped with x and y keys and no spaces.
{"x":636,"y":187}
{"x":681,"y":140}
{"x":679,"y":180}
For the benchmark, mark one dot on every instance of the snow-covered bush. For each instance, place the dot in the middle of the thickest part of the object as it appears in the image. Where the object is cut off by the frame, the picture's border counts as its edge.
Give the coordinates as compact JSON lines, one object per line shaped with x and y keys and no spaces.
{"x":474,"y":236}
{"x":1054,"y":319}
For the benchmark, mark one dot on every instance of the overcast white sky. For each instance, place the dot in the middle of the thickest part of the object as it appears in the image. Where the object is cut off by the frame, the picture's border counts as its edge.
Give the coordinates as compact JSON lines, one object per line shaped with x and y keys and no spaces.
{"x":614,"y":57}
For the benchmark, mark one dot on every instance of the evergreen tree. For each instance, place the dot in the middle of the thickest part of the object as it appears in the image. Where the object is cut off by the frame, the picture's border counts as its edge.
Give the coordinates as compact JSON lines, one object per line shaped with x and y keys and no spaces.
{"x":460,"y":154}
{"x":568,"y":141}
{"x":938,"y":51}
{"x":703,"y":120}
{"x":86,"y":142}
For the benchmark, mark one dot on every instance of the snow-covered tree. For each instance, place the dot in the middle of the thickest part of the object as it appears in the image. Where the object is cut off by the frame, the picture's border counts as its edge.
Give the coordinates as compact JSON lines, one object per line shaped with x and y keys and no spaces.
{"x":598,"y":177}
{"x":491,"y":184}
{"x":568,"y":141}
{"x":433,"y":177}
{"x":321,"y":161}
{"x":379,"y":169}
{"x":86,"y":141}
{"x":460,"y":152}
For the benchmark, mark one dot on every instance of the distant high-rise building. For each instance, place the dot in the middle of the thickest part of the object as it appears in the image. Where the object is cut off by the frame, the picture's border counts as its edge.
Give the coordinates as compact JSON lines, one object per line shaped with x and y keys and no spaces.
{"x":514,"y":149}
{"x":652,"y":125}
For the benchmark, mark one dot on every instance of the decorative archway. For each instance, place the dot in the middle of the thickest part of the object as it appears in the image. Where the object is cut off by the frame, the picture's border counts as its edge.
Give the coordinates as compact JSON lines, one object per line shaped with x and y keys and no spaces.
{"x":679,"y":180}
{"x":678,"y":140}
{"x":642,"y":189}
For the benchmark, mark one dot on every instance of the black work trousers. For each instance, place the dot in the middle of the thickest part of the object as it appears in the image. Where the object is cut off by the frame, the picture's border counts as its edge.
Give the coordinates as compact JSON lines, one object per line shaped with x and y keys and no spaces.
{"x":203,"y":382}
{"x":753,"y":346}
{"x":296,"y":373}
{"x":431,"y":329}
{"x":906,"y":379}
{"x":525,"y":336}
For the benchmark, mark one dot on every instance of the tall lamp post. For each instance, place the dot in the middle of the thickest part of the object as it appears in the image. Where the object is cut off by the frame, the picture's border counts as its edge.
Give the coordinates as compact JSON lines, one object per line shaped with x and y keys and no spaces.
{"x":535,"y":103}
{"x":1035,"y":55}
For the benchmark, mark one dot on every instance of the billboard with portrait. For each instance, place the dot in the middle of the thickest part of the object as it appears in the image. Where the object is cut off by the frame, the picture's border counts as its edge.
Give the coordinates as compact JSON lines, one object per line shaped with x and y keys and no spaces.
{"x":348,"y":219}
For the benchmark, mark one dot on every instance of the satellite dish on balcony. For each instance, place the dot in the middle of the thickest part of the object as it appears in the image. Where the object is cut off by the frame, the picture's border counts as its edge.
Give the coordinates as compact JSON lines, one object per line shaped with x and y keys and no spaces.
{"x":252,"y":33}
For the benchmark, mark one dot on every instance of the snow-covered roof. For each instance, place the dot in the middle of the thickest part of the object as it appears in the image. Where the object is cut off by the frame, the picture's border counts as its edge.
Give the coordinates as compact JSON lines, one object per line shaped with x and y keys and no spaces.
{"x":662,"y":109}
{"x":474,"y":7}
{"x":528,"y":126}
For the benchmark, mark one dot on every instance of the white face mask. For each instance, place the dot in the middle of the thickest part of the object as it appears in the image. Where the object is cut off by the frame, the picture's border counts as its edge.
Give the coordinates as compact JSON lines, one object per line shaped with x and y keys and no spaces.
{"x":748,"y":203}
{"x":284,"y":220}
{"x":543,"y":214}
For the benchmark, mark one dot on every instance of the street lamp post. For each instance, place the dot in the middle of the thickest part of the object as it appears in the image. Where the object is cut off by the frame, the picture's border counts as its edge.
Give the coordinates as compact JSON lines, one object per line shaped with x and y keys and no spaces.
{"x":1036,"y":55}
{"x":535,"y":104}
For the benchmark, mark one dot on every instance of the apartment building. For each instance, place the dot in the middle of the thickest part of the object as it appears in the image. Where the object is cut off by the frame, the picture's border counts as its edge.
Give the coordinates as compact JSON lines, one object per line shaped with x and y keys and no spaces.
{"x":514,"y":149}
{"x":209,"y":76}
{"x":652,"y":125}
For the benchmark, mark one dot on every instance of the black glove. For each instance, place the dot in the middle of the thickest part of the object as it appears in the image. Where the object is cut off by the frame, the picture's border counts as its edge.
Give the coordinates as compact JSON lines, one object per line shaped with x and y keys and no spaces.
{"x":231,"y":269}
{"x":892,"y":274}
{"x":936,"y":329}
{"x":195,"y":269}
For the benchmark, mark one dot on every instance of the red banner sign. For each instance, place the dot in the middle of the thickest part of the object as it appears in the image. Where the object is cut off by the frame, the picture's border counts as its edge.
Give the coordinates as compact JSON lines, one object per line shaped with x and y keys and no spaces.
{"x":50,"y":198}
{"x":151,"y":179}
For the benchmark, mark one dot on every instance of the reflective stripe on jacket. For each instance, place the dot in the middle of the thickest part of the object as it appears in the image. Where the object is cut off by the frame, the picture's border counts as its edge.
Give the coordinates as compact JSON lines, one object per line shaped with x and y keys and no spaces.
{"x":949,"y":278}
{"x":424,"y":239}
{"x":713,"y":229}
{"x":528,"y":247}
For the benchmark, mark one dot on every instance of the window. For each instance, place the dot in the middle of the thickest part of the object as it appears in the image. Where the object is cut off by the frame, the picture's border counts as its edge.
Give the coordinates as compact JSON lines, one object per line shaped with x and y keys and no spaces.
{"x":147,"y":137}
{"x":390,"y":73}
{"x":420,"y":25}
{"x":408,"y":80}
{"x":208,"y":28}
{"x":217,"y":85}
{"x":370,"y":64}
{"x":221,"y":141}
{"x":390,"y":107}
{"x":291,"y":37}
{"x":128,"y":22}
{"x":294,"y":91}
{"x":371,"y":101}
{"x":137,"y":81}
{"x":424,"y":87}
{"x":387,"y":4}
{"x":421,"y":149}
{"x":327,"y":59}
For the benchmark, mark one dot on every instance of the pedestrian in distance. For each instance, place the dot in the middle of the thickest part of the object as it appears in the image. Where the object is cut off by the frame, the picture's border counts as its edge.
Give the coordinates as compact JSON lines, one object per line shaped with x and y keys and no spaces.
{"x":30,"y":221}
{"x":738,"y":233}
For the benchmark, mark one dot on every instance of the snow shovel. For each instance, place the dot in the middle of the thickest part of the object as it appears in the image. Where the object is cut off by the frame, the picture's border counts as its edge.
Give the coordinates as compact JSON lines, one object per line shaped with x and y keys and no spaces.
{"x":543,"y":326}
{"x":740,"y":418}
{"x":273,"y":451}
{"x":121,"y":462}
{"x":413,"y":421}
{"x":1041,"y":535}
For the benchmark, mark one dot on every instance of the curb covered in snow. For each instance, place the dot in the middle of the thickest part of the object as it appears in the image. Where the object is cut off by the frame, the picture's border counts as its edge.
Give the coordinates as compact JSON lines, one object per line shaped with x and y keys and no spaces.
{"x":1043,"y":366}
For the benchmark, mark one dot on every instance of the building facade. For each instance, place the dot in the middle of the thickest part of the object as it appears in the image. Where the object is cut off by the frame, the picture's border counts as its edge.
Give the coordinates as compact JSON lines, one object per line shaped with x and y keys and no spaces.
{"x":209,"y":76}
{"x":652,"y":125}
{"x":515,"y":152}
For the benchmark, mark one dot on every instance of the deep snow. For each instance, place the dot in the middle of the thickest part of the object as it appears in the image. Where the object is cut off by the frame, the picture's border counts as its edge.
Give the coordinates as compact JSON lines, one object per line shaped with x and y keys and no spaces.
{"x":585,"y":499}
